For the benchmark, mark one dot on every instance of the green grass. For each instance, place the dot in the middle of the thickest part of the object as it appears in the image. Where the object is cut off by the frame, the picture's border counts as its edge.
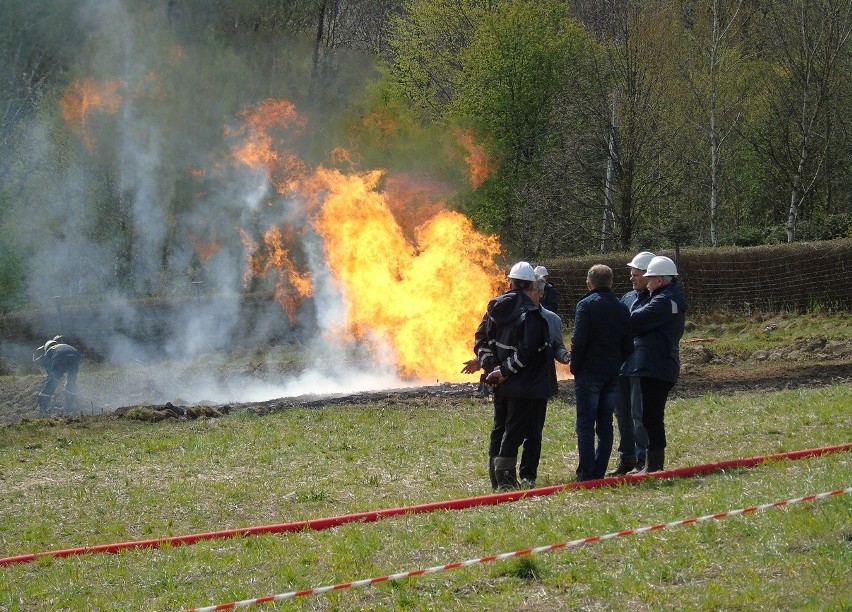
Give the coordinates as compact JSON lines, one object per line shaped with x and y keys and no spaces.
{"x":738,"y":333}
{"x":104,"y":480}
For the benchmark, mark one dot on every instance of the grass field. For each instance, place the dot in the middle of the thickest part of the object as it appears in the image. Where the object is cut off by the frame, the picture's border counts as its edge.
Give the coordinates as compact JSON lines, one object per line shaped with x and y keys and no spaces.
{"x":102,"y":480}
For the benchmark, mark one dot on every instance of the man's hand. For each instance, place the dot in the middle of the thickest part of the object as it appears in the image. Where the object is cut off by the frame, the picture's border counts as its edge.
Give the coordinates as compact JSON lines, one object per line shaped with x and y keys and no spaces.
{"x":471,"y":367}
{"x":495,"y":377}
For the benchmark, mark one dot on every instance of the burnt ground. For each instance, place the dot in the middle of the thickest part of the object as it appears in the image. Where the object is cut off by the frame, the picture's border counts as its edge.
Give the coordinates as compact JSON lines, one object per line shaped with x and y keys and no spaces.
{"x":806,"y":362}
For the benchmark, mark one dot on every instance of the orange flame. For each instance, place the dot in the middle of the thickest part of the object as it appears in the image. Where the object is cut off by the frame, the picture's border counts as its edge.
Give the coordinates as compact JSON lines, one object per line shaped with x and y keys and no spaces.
{"x":205,"y":250}
{"x":477,"y":159}
{"x":414,"y":277}
{"x":272,"y":257}
{"x":259,"y":147}
{"x":82,"y":97}
{"x":424,"y":298}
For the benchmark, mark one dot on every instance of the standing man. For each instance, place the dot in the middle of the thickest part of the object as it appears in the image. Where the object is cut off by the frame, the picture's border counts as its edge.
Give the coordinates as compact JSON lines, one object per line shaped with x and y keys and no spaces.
{"x":550,"y":300}
{"x":528,"y":467}
{"x":632,"y":437}
{"x":58,"y":360}
{"x":600,"y":342}
{"x":658,"y":325}
{"x":512,"y":344}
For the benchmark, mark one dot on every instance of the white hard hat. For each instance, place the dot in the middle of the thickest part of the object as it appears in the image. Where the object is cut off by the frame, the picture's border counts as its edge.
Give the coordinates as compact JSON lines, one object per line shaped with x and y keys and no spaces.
{"x":661,"y":266}
{"x":522,"y":271}
{"x":640,"y":262}
{"x":541,"y":271}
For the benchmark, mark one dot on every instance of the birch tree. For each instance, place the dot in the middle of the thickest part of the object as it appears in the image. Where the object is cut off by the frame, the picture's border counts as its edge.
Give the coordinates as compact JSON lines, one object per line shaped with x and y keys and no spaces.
{"x":813,"y":54}
{"x":719,"y":85}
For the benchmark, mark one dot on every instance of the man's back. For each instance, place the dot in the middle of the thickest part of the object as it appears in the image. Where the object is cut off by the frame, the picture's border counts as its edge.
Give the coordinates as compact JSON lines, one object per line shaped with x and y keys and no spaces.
{"x":601,"y":339}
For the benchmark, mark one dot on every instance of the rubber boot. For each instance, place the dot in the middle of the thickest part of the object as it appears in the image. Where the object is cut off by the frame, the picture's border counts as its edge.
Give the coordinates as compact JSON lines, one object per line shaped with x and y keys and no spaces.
{"x":640,"y":466}
{"x":491,"y":473}
{"x":43,"y":401}
{"x":504,"y":470}
{"x":656,"y":460}
{"x":625,"y":464}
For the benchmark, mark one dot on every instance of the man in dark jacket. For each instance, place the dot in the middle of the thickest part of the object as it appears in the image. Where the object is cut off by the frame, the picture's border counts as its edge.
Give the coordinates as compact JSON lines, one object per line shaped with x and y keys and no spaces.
{"x":600,"y":342}
{"x":512,"y":345}
{"x":59,"y":360}
{"x":658,"y":325}
{"x":485,"y":348}
{"x":632,"y":437}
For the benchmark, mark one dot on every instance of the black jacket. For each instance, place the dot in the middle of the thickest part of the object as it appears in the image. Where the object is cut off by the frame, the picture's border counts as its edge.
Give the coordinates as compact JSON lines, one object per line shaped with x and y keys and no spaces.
{"x":514,"y":335}
{"x":601,"y":339}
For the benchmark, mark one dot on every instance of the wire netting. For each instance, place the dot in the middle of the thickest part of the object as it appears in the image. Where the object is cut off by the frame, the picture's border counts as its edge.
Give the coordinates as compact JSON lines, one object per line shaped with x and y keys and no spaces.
{"x":800,"y":277}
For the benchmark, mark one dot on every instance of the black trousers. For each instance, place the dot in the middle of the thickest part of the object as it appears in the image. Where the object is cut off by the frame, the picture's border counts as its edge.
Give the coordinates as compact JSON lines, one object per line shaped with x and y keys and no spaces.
{"x":518,"y":421}
{"x":655,"y":393}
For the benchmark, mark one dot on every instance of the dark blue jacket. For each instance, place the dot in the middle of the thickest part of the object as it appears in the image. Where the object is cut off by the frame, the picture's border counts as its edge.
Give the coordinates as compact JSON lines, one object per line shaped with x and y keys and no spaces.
{"x":633,"y":300}
{"x":601,"y":339}
{"x":59,"y":359}
{"x":517,"y":339}
{"x":658,"y":325}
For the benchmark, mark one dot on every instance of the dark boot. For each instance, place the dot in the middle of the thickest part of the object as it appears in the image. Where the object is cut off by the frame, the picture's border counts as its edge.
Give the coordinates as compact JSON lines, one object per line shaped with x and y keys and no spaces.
{"x":625,"y":464}
{"x":656,"y":460}
{"x":504,"y":470}
{"x":640,"y":466}
{"x":491,"y":473}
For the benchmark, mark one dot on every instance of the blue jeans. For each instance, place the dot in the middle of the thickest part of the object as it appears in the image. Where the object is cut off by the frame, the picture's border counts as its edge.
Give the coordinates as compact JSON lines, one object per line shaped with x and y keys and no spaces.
{"x":595,"y":396}
{"x":632,"y":436}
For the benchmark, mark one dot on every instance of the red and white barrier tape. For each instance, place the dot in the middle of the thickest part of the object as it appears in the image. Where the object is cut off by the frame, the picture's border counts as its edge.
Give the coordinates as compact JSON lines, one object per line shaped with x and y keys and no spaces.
{"x":519,"y":553}
{"x":453,"y":504}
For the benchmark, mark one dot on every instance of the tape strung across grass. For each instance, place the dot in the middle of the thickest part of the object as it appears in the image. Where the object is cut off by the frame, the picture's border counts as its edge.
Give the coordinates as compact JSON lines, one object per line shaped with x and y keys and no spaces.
{"x":518,"y":553}
{"x":456,"y":504}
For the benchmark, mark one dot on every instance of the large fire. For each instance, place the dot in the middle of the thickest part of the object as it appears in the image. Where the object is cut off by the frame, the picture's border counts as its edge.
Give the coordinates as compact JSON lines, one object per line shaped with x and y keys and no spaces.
{"x":418,"y":292}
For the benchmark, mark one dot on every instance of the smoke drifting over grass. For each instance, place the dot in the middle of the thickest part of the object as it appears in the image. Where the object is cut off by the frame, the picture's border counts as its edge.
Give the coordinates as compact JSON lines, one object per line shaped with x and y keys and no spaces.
{"x":135,"y":202}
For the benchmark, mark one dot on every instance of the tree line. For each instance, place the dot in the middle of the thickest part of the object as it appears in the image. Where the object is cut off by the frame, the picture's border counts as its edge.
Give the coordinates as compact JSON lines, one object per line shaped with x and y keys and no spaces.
{"x":596,"y":126}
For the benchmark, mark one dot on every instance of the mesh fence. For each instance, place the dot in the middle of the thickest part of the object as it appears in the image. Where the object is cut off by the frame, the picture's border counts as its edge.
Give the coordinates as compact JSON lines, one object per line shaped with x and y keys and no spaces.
{"x":791,"y":277}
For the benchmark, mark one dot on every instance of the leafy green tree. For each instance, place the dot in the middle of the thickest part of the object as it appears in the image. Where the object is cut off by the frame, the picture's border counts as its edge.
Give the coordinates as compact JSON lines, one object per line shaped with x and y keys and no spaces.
{"x":424,"y":47}
{"x":720,"y":77}
{"x":512,"y":72}
{"x":628,"y":167}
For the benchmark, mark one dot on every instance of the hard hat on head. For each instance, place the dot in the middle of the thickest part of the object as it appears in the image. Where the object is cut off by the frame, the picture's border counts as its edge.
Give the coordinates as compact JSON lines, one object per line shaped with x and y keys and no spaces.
{"x":641,"y":261}
{"x":51,"y":342}
{"x":541,"y":271}
{"x":661,"y":266}
{"x":522,"y":271}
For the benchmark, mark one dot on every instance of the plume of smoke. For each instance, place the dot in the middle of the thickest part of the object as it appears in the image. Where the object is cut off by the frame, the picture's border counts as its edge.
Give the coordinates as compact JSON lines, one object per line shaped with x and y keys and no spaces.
{"x":173,"y":108}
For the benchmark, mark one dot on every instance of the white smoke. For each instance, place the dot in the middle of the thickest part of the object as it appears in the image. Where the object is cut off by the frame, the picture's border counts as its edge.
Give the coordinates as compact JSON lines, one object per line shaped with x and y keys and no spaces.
{"x":172,"y":120}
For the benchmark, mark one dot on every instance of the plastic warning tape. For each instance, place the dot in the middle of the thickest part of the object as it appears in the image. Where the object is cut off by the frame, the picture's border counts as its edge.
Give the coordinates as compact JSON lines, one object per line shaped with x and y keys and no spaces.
{"x":518,"y":553}
{"x":370,"y":516}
